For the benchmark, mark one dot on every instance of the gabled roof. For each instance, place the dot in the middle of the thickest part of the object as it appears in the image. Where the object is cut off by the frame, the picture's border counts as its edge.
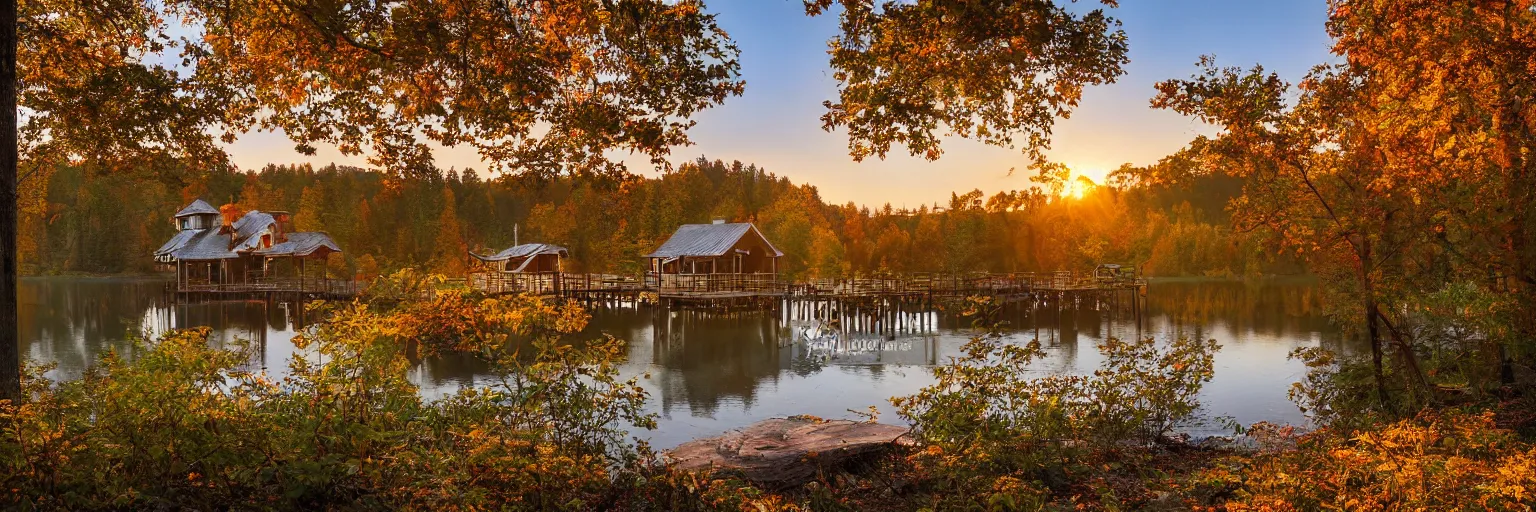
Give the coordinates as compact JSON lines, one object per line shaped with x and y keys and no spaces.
{"x":177,"y":242}
{"x":205,"y":244}
{"x":519,"y":251}
{"x":708,"y":240}
{"x":246,"y":229}
{"x":198,"y":207}
{"x":301,"y":244}
{"x":243,"y":237}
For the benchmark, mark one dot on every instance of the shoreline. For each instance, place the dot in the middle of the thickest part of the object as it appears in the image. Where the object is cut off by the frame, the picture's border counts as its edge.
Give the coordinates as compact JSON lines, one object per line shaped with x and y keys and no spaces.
{"x":1150,"y":279}
{"x":84,"y":276}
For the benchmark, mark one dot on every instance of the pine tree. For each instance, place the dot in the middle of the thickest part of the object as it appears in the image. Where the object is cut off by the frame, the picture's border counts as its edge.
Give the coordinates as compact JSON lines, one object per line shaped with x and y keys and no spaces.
{"x":449,"y":249}
{"x":311,"y":208}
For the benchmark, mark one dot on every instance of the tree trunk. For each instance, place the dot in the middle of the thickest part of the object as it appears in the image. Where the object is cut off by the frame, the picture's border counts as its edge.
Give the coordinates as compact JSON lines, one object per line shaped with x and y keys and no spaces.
{"x":1419,"y":384}
{"x":1372,"y":327}
{"x":1374,"y":331}
{"x":1520,"y":180}
{"x":10,"y":330}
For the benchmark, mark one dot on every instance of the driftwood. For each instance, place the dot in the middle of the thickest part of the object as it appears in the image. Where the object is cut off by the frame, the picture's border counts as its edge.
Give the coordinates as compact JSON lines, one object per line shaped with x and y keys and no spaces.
{"x":784,"y":452}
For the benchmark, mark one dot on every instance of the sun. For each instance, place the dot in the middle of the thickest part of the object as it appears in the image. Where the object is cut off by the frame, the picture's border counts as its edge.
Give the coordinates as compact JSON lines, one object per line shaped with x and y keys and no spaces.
{"x":1079,"y":186}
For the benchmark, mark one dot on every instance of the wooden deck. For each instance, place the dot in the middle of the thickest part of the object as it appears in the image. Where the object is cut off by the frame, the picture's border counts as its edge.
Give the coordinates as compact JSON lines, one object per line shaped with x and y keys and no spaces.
{"x":551,"y":283}
{"x":267,"y":289}
{"x":733,"y":291}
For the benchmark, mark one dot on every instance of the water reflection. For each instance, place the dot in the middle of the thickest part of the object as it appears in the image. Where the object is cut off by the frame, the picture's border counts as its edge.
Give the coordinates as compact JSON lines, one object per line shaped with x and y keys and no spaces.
{"x":708,"y":373}
{"x":706,"y":359}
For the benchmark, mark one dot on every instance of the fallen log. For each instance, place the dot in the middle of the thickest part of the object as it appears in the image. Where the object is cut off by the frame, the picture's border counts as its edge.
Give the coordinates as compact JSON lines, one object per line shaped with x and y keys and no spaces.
{"x":784,"y":452}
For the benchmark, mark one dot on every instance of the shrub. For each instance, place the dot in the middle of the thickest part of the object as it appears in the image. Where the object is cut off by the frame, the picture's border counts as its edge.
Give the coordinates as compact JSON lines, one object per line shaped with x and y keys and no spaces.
{"x":1448,"y":460}
{"x":995,"y":436}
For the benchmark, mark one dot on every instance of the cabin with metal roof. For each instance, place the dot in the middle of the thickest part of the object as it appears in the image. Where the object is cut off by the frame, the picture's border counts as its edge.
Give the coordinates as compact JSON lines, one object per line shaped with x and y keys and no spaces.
{"x":525,"y":258}
{"x":531,"y":268}
{"x":717,"y":257}
{"x":213,"y":253}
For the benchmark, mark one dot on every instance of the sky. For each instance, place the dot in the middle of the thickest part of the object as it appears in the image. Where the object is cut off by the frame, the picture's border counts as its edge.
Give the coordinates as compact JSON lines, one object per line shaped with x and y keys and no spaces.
{"x":776,"y":123}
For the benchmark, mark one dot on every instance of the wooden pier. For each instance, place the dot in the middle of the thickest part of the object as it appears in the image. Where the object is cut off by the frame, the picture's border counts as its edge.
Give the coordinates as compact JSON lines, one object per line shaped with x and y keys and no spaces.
{"x":730,"y":292}
{"x":279,"y":290}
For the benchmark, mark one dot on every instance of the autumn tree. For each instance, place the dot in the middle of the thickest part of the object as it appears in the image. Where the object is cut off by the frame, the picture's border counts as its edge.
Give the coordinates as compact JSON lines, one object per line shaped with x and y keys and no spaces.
{"x":1446,"y":89}
{"x":891,"y":249}
{"x":1313,"y":183}
{"x":789,"y":223}
{"x":827,"y":258}
{"x":1404,"y":170}
{"x":990,"y":70}
{"x":313,"y":205}
{"x":449,"y":251}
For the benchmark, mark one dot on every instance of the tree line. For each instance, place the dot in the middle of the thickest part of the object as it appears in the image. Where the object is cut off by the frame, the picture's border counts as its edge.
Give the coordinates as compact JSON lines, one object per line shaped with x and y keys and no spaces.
{"x":77,"y":221}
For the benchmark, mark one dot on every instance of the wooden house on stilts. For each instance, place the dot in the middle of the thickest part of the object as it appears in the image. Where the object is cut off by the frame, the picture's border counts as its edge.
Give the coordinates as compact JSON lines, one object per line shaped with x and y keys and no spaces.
{"x":254,"y":256}
{"x":530,"y":268}
{"x":716,"y":258}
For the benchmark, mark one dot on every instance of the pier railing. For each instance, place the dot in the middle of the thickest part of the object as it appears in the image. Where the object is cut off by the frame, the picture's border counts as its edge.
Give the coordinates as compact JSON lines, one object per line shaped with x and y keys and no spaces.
{"x":927,"y":284}
{"x":717,"y":283}
{"x":576,"y":283}
{"x":550,"y":283}
{"x":515,"y":282}
{"x":328,"y":287}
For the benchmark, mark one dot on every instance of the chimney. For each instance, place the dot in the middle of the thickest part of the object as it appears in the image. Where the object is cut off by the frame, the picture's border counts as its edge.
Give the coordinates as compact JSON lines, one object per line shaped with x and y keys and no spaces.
{"x":284,"y":224}
{"x":719,"y":221}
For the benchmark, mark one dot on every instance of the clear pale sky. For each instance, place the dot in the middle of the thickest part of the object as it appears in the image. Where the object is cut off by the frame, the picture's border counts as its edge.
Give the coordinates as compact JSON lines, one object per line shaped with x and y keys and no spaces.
{"x":776,"y":123}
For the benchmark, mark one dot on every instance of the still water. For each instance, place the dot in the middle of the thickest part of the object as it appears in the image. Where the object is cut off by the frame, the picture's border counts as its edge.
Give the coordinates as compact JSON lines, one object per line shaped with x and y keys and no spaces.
{"x":708,"y":374}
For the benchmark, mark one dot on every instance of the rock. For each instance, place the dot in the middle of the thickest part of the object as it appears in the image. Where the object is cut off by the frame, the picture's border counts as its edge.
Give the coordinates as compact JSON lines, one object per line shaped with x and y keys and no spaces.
{"x":784,"y":452}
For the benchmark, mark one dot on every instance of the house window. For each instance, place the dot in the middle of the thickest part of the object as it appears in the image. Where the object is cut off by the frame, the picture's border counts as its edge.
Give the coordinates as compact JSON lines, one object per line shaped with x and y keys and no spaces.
{"x":266,"y":240}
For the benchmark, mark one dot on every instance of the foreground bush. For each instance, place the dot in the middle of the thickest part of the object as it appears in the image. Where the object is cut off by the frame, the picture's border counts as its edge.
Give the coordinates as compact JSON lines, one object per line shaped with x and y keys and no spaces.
{"x":1437,"y":461}
{"x":996,"y":436}
{"x":183,"y":426}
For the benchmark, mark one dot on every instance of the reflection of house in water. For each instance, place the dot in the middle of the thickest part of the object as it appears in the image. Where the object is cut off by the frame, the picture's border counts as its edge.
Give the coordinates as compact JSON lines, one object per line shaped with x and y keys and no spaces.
{"x":707,"y":359}
{"x":266,"y":327}
{"x":712,"y":358}
{"x":73,"y":322}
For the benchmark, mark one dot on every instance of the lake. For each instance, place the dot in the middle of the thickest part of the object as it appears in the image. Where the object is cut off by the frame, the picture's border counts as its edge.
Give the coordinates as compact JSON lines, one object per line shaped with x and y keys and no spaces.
{"x":709,"y":373}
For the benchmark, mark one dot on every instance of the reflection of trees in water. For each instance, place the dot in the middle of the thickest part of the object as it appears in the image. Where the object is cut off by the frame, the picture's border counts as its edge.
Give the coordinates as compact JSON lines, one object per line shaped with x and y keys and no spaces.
{"x":703,"y":359}
{"x":449,"y":371}
{"x":1271,"y":307}
{"x":1277,"y":308}
{"x":1059,"y":326}
{"x":74,"y":321}
{"x":709,"y":357}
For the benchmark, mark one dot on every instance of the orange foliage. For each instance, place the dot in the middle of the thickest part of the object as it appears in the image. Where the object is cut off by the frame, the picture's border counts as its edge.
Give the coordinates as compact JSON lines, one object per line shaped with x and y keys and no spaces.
{"x":1436,"y":461}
